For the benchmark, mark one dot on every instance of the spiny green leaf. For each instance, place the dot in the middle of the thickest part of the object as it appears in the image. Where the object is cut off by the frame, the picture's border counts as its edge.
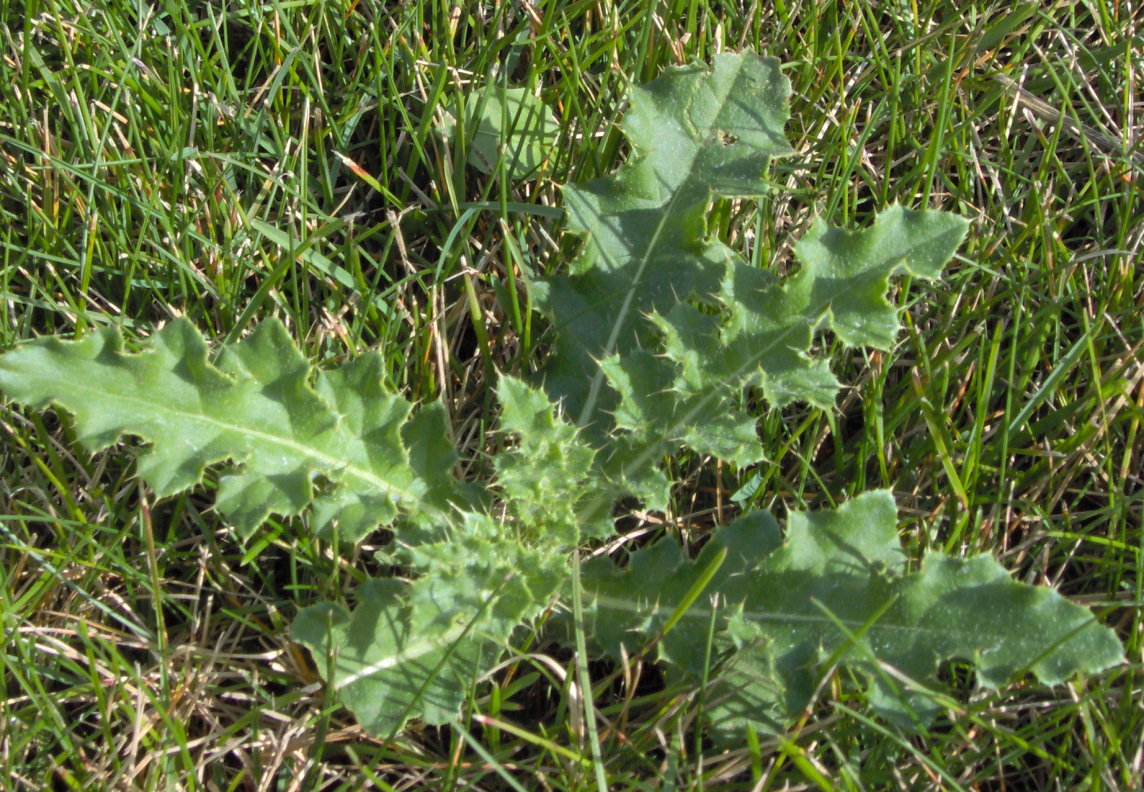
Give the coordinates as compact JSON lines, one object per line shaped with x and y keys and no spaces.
{"x":688,"y":393}
{"x":837,"y":588}
{"x":386,"y":664}
{"x":256,"y":409}
{"x":766,"y":335}
{"x":547,"y":474}
{"x":697,"y":133}
{"x":660,"y":327}
{"x":412,"y":650}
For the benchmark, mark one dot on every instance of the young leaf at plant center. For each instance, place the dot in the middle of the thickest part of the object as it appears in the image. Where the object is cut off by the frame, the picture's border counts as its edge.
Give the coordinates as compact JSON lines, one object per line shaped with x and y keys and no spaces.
{"x":511,"y":125}
{"x":696,"y":133}
{"x":837,"y":587}
{"x":257,"y":409}
{"x":547,"y":474}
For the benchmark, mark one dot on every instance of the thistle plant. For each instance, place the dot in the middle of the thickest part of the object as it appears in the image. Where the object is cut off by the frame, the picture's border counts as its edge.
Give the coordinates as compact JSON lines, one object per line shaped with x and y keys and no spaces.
{"x":658,"y":331}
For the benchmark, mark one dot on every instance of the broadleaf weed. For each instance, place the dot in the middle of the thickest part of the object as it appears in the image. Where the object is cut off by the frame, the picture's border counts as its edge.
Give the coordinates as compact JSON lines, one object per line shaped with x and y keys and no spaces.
{"x":657,"y":330}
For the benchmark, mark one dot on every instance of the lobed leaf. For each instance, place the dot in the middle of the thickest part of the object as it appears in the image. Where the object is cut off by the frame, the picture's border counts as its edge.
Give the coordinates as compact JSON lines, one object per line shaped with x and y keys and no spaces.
{"x":696,"y":133}
{"x":768,"y":328}
{"x":763,"y":335}
{"x":414,"y":649}
{"x":660,"y":326}
{"x":836,"y":590}
{"x":257,"y":409}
